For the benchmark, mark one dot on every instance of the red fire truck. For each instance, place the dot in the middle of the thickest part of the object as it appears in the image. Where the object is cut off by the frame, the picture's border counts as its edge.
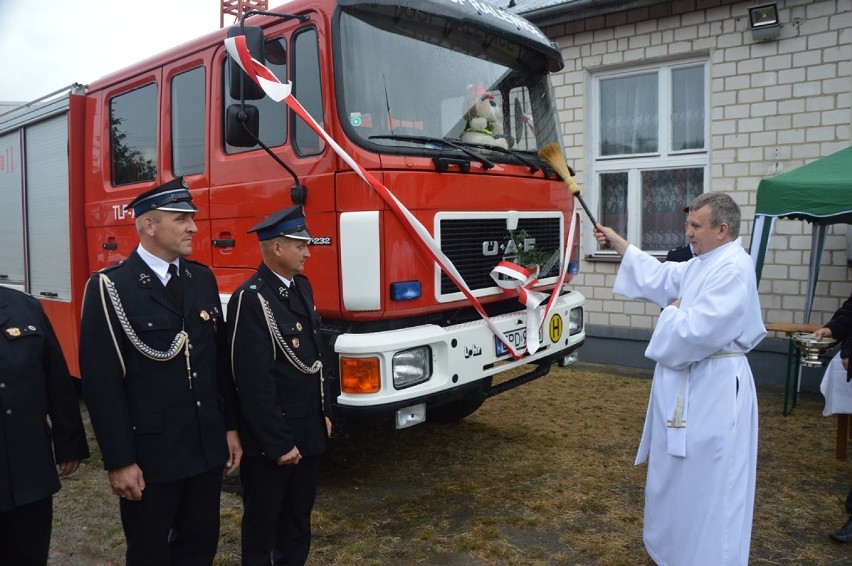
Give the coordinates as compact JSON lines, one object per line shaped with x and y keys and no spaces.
{"x":391,"y":81}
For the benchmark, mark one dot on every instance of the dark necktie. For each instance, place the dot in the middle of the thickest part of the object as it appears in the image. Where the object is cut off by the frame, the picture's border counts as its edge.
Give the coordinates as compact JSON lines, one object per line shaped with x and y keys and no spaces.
{"x":298,"y":293}
{"x":174,"y":286}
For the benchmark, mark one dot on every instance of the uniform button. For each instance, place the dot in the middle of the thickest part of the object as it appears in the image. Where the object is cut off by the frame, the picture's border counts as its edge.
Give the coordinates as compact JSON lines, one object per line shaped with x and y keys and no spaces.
{"x":195,"y":374}
{"x":2,"y":386}
{"x":198,"y":403}
{"x":150,"y":324}
{"x":8,"y":411}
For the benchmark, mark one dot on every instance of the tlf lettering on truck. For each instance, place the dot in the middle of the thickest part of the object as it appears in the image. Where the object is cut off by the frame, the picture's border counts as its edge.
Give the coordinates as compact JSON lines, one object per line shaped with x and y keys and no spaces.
{"x":118,"y":212}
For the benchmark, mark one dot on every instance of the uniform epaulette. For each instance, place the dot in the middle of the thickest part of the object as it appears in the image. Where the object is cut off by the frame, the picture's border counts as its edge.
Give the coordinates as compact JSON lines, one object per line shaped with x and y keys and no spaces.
{"x":109,"y":268}
{"x":12,"y":292}
{"x":255,"y":284}
{"x":196,"y":265}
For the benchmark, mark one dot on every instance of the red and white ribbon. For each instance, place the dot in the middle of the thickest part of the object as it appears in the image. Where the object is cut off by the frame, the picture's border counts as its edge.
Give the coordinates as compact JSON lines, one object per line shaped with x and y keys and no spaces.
{"x":513,"y":278}
{"x":278,"y":91}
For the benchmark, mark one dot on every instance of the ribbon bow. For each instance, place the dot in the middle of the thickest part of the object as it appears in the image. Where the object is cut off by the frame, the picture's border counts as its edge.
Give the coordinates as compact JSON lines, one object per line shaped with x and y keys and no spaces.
{"x":513,"y":278}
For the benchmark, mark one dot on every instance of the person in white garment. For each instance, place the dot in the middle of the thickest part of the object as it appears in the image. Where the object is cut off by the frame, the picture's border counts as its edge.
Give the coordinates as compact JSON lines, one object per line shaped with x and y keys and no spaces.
{"x":700,"y":434}
{"x":840,"y":328}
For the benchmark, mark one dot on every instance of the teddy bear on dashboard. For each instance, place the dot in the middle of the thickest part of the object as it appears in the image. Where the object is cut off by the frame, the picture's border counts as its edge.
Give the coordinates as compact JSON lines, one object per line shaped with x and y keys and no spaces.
{"x":484,"y":123}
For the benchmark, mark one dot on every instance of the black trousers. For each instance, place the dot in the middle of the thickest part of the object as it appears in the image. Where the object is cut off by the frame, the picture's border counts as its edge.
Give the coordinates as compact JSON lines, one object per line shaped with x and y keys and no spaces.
{"x":849,"y":496}
{"x":277,"y":502}
{"x":175,"y":523}
{"x":25,"y":533}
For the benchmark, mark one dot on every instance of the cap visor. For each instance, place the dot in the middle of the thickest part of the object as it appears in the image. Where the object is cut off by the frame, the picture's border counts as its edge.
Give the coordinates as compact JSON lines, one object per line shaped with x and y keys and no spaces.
{"x":178,"y":207}
{"x":300,"y":235}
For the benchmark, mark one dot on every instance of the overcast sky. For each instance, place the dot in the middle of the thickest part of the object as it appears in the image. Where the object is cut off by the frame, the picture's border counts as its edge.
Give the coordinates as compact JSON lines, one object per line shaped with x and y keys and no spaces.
{"x":46,"y":45}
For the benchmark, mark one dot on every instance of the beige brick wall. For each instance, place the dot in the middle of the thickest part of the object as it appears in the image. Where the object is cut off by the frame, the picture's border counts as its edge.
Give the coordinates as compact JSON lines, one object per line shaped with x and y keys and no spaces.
{"x":774,"y":106}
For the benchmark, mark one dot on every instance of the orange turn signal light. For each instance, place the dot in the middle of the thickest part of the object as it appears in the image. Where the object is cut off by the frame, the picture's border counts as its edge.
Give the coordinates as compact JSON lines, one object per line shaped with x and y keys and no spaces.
{"x":360,"y":375}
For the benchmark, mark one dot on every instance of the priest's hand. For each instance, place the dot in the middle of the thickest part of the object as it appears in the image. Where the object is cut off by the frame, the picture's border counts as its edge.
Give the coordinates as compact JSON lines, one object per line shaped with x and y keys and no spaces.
{"x":607,"y":238}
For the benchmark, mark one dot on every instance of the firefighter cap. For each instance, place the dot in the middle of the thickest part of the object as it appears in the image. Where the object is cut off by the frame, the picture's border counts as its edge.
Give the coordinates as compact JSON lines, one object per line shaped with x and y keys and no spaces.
{"x":171,"y":196}
{"x":289,"y":223}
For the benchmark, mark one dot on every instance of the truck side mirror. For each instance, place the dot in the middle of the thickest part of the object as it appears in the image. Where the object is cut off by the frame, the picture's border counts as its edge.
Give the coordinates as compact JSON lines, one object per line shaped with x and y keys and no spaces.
{"x":248,"y":90}
{"x":242,"y":125}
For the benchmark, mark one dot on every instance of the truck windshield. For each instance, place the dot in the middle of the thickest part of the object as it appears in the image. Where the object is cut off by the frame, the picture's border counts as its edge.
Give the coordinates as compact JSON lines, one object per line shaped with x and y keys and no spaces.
{"x":404,"y":74}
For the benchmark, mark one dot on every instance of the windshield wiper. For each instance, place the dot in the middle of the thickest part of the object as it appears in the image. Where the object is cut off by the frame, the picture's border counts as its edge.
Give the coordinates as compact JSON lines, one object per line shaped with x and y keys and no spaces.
{"x":516,"y":154}
{"x":486,"y":164}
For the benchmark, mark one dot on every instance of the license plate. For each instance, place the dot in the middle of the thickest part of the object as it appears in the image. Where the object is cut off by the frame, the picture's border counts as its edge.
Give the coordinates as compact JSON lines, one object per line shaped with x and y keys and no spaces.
{"x":517,"y":338}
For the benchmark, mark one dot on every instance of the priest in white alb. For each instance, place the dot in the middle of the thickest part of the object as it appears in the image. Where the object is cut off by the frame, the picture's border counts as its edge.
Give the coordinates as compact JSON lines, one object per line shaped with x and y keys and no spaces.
{"x":700,"y":435}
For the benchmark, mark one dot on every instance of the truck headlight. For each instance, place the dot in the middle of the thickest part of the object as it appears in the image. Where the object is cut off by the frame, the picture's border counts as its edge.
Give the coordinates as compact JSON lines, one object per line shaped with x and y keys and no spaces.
{"x":575,"y":321}
{"x":411,"y":367}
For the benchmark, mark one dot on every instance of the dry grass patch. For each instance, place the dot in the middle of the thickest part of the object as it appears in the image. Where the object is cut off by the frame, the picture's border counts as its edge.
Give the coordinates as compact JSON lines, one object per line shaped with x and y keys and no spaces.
{"x":541,"y":475}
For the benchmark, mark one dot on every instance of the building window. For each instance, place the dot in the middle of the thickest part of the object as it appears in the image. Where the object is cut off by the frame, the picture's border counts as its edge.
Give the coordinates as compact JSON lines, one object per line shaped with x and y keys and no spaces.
{"x":649,"y":150}
{"x":188,"y":112}
{"x":133,"y":135}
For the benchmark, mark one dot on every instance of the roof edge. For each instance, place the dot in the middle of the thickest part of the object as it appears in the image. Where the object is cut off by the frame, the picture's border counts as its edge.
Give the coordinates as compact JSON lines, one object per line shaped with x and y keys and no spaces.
{"x":580,"y":9}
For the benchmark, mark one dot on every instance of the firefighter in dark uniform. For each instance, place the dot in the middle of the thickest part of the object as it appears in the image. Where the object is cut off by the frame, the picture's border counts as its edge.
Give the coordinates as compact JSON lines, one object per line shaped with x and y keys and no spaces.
{"x":156,"y":382}
{"x":683,"y":253}
{"x":276,"y":354}
{"x":34,"y":386}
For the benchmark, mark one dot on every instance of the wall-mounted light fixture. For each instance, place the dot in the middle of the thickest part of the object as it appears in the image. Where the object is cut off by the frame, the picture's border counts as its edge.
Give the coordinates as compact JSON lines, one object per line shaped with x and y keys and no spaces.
{"x":763,"y":21}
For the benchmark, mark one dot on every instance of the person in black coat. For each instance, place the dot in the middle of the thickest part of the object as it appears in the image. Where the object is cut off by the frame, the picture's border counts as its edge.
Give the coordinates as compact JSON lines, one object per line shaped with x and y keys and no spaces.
{"x":840,"y":328}
{"x":34,"y":386}
{"x":276,"y":354}
{"x":682,"y":253}
{"x":156,"y":382}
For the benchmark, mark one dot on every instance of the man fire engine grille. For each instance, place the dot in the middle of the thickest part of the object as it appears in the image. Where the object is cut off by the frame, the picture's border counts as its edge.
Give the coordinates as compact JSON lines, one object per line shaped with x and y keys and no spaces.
{"x":476,"y":245}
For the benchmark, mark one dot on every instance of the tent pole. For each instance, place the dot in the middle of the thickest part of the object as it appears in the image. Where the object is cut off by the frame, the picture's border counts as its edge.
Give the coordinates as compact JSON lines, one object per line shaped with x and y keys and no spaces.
{"x":817,"y":243}
{"x":760,"y":241}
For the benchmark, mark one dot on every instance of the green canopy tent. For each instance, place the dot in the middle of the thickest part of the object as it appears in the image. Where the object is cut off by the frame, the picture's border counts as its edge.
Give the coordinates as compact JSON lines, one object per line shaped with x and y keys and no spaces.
{"x":819,"y":192}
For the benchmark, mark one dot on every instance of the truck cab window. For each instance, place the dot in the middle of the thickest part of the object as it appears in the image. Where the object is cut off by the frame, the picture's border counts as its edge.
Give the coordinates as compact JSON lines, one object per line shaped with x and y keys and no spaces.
{"x":383,"y":99}
{"x":307,"y":88}
{"x":188,"y":111}
{"x":272,"y":115}
{"x":133,"y":135}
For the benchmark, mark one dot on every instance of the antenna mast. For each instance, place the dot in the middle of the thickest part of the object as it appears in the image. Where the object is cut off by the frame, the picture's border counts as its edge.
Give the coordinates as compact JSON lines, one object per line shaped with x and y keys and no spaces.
{"x":237,"y":8}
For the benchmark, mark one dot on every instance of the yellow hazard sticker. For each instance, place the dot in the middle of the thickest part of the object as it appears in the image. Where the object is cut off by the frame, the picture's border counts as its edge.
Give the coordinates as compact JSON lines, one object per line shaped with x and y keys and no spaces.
{"x":555,"y":328}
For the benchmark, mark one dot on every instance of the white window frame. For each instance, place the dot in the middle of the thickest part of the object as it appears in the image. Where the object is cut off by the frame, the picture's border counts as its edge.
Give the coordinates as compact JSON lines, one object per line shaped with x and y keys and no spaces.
{"x":634,"y":164}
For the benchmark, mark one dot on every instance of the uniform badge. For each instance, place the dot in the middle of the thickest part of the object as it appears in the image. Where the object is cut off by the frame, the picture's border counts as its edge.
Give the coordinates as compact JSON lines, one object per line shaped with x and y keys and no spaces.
{"x":31,"y":328}
{"x":296,"y":342}
{"x":205,"y":316}
{"x":14,"y":331}
{"x":298,"y":326}
{"x":187,"y":272}
{"x":282,"y":292}
{"x":144,"y":278}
